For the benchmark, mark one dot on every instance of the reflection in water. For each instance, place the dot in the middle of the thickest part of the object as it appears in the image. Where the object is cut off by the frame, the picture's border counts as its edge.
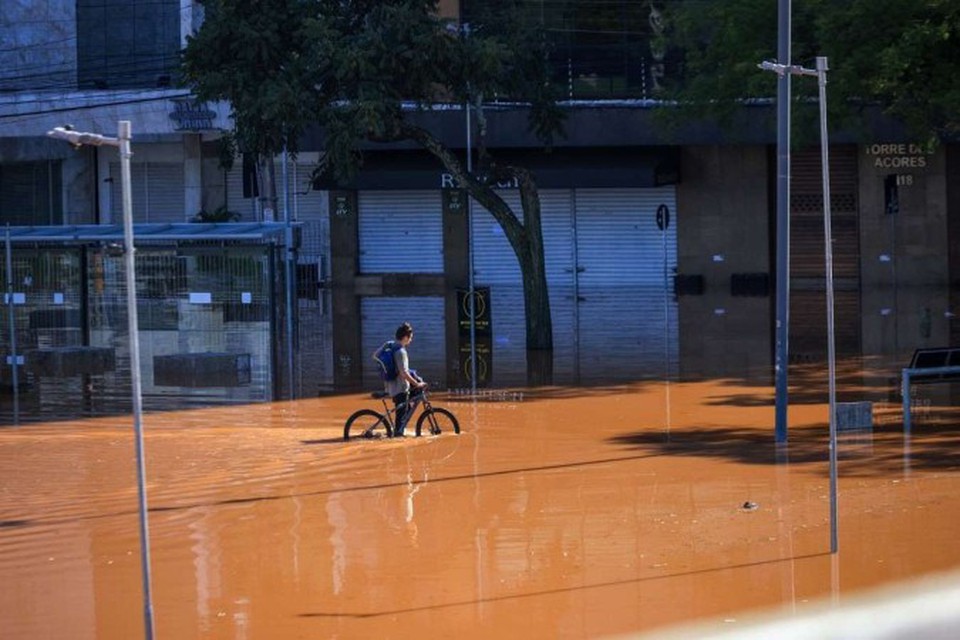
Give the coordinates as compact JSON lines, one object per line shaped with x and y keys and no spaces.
{"x":602,"y":335}
{"x":336,"y":518}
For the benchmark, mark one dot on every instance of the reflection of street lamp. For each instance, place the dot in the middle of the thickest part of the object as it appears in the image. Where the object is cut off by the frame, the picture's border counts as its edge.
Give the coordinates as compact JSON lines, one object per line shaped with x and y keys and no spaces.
{"x":471,"y":284}
{"x":122,"y":142}
{"x":821,"y":73}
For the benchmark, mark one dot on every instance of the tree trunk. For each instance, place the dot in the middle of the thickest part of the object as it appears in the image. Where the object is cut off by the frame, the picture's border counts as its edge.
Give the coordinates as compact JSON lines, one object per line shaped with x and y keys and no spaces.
{"x":530,"y":252}
{"x":526,"y":238}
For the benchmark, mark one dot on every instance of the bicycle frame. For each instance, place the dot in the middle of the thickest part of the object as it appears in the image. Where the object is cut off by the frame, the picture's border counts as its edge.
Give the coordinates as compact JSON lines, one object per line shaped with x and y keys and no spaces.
{"x":389,"y":412}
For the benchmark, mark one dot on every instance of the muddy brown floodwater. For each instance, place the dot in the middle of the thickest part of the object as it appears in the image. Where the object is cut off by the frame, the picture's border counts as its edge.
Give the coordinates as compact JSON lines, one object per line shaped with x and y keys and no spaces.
{"x":557,"y":513}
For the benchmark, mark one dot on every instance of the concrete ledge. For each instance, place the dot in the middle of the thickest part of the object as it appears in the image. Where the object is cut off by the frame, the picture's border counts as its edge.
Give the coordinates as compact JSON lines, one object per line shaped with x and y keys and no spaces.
{"x":209,"y":369}
{"x":64,"y":362}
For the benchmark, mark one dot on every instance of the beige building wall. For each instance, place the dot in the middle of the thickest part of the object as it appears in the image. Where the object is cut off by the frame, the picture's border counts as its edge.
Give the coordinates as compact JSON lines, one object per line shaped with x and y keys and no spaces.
{"x":905,"y":264}
{"x":723,"y":229}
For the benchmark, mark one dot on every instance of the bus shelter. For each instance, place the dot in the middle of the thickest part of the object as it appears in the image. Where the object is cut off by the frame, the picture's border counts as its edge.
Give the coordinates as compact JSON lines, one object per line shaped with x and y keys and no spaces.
{"x":213,"y":325}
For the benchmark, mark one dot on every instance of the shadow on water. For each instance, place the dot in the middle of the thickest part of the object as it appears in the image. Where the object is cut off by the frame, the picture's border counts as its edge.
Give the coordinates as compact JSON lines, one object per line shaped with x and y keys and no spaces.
{"x":577,"y":589}
{"x":864,"y":453}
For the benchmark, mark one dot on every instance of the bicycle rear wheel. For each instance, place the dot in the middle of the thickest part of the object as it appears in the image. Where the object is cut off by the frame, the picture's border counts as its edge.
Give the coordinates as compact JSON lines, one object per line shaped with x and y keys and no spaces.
{"x":366,"y":423}
{"x":436,"y":420}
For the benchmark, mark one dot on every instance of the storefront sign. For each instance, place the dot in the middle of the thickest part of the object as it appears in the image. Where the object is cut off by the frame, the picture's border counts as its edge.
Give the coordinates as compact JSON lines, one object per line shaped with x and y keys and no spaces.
{"x":192,"y":115}
{"x":897,"y":156}
{"x":448,"y":181}
{"x":454,"y":201}
{"x":480,"y":309}
{"x":482,"y":333}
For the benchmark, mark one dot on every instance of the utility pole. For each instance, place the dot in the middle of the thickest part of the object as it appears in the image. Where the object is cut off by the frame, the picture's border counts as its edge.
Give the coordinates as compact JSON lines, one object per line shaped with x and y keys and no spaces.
{"x":122,"y":142}
{"x":783,"y":224}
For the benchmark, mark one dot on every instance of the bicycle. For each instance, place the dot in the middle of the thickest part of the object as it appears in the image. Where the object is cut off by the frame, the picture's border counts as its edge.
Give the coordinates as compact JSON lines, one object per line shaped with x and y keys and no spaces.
{"x":367,"y":423}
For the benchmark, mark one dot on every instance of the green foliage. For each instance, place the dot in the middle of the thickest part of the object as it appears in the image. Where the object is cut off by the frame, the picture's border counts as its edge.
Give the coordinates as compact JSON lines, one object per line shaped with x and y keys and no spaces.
{"x":220,"y":214}
{"x":901,"y":56}
{"x":255,"y":53}
{"x":358,"y":69}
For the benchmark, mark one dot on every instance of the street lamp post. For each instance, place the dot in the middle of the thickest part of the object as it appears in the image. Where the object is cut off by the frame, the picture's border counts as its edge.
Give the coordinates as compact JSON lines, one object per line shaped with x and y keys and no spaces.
{"x":122,"y":142}
{"x":781,"y":396}
{"x":821,"y":74}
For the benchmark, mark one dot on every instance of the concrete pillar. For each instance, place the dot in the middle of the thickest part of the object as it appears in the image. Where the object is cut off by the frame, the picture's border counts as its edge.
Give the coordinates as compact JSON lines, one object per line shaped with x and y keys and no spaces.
{"x":192,"y":175}
{"x":456,"y":267}
{"x":723,"y":228}
{"x":344,"y":261}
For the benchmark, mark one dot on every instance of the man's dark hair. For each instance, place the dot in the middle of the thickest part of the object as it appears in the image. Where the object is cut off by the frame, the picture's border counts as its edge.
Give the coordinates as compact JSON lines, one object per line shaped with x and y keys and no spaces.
{"x":404,"y":330}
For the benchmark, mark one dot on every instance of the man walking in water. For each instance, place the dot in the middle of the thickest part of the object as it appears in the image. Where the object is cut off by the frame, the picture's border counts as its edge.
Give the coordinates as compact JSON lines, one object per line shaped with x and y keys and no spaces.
{"x":407,"y":386}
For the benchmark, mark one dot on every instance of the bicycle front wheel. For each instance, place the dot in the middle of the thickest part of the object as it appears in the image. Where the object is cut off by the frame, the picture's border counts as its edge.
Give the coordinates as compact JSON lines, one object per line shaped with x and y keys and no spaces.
{"x":365,"y":423}
{"x":436,"y":420}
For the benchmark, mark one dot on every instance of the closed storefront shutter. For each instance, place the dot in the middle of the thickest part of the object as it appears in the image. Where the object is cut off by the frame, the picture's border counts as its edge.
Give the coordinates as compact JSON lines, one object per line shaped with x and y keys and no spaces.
{"x":400,"y":232}
{"x":806,"y":214}
{"x":808,"y":333}
{"x":627,"y":314}
{"x":380,"y":317}
{"x":496,"y":266}
{"x":494,"y":259}
{"x":620,"y":298}
{"x":157,"y":189}
{"x":618,"y":241}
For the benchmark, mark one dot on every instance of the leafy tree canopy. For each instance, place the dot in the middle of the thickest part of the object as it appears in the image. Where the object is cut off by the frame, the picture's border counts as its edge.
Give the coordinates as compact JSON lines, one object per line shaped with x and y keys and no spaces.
{"x":902,"y":56}
{"x":357,"y":67}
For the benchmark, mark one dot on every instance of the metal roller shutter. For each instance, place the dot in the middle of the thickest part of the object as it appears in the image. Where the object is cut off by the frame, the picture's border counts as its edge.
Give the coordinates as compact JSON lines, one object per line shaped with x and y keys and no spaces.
{"x":496,"y":266}
{"x":400,"y":231}
{"x":494,"y":260}
{"x":808,"y":338}
{"x":618,"y":241}
{"x":157,"y":189}
{"x":627,"y":314}
{"x":808,"y":324}
{"x":380,"y":317}
{"x":806,"y":214}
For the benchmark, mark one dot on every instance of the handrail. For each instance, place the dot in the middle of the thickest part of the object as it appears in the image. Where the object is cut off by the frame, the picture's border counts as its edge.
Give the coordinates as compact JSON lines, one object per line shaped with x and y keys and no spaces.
{"x":909,"y":372}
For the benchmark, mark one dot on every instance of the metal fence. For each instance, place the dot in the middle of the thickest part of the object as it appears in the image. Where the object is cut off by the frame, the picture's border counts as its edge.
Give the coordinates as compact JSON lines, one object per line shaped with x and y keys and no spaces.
{"x":211,"y":316}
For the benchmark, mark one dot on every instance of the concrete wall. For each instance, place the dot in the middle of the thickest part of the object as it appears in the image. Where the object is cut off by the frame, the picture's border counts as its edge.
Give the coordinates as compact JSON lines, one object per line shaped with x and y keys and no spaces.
{"x":905,"y":255}
{"x":909,"y":247}
{"x":723,"y":229}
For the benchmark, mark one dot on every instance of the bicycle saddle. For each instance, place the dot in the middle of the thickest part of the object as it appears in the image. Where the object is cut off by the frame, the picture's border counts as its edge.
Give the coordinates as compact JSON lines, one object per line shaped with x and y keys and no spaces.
{"x":376,"y":395}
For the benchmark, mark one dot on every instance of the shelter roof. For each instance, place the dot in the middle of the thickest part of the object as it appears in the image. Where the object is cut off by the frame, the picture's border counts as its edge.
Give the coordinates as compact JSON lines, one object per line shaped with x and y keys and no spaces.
{"x":247,"y":232}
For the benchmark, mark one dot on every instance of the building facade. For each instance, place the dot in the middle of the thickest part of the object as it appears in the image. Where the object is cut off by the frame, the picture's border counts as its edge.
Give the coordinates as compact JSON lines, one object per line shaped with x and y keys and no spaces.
{"x":659,"y":244}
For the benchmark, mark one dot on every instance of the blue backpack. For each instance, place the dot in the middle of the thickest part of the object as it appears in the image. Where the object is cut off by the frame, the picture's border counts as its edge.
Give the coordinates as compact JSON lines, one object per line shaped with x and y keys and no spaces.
{"x":388,"y":365}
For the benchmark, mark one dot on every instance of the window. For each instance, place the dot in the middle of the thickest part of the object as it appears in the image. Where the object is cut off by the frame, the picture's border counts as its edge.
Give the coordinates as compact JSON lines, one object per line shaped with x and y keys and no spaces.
{"x":125,"y":44}
{"x":30,"y":194}
{"x":601,"y":48}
